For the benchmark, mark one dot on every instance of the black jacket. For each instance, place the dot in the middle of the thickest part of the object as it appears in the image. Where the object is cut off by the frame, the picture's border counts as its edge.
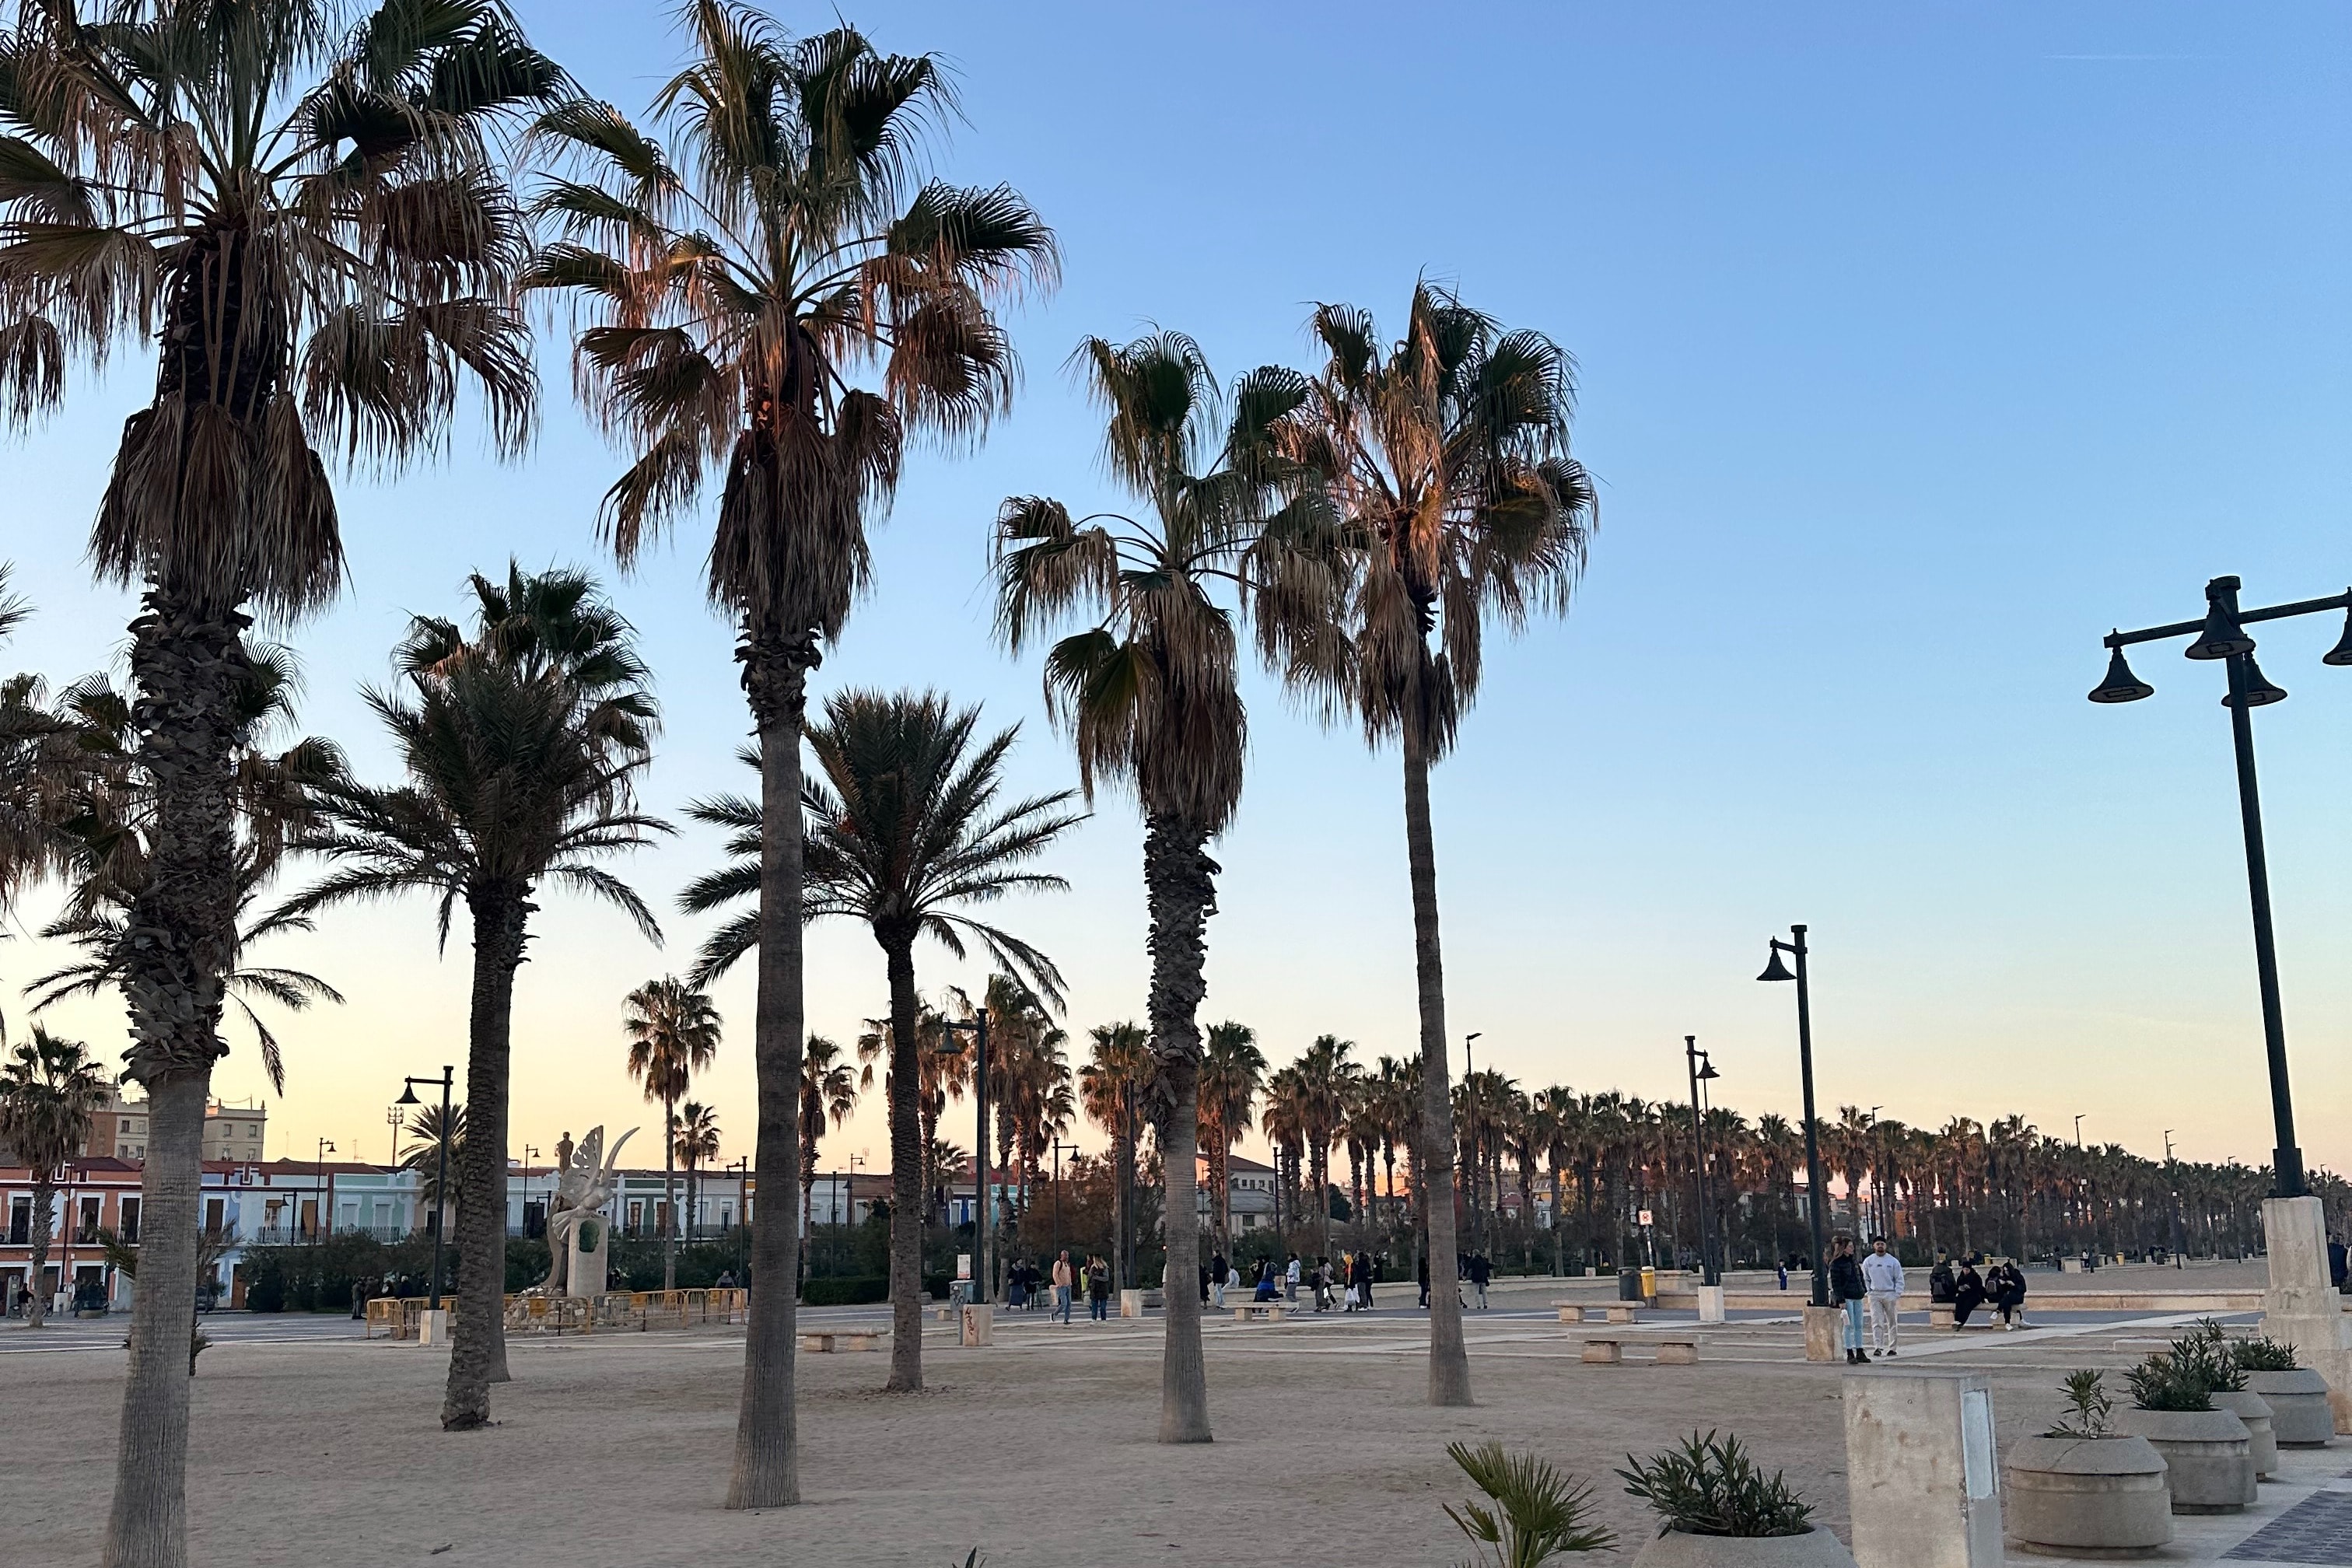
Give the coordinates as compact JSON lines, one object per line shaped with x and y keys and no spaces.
{"x":1845,"y":1280}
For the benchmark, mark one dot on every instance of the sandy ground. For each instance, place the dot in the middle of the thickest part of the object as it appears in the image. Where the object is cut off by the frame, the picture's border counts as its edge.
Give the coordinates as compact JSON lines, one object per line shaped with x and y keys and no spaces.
{"x":313,"y":1448}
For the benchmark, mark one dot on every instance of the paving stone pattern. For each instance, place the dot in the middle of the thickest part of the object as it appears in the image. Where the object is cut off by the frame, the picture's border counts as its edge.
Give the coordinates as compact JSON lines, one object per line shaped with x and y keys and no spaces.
{"x":2317,"y":1529}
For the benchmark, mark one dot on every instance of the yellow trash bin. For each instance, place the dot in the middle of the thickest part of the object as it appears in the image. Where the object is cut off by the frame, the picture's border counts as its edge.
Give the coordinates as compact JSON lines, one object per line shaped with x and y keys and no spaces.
{"x":1649,"y":1284}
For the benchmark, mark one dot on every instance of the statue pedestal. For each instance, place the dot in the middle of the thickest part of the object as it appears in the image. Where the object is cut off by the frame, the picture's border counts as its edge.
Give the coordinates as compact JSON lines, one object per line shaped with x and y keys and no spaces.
{"x":2301,"y":1307}
{"x":583,"y":1268}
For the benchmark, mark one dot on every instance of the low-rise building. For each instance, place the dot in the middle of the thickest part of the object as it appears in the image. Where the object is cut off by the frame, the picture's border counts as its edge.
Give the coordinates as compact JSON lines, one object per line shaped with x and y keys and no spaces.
{"x":235,"y":1131}
{"x":92,"y":1195}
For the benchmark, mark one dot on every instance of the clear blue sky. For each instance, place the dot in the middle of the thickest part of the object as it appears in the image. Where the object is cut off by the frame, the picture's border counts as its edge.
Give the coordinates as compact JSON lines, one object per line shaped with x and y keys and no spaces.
{"x":1919,"y":346}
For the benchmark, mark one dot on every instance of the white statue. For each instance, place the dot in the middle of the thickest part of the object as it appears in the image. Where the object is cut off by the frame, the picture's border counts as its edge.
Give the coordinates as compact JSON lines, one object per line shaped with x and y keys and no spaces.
{"x":577,"y":1234}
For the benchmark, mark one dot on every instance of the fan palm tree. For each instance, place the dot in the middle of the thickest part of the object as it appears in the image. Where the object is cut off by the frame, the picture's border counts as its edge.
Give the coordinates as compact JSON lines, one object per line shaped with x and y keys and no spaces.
{"x":672,"y":1029}
{"x":1115,"y":1086}
{"x":306,"y":216}
{"x":730,"y":285}
{"x":1446,"y":460}
{"x":693,"y":1140}
{"x":425,"y":1155}
{"x":1233,"y":1070}
{"x":1148,"y":692}
{"x":906,"y":832}
{"x":49,"y":1095}
{"x":521,"y":742}
{"x":829,"y":1089}
{"x":1326,"y":1078}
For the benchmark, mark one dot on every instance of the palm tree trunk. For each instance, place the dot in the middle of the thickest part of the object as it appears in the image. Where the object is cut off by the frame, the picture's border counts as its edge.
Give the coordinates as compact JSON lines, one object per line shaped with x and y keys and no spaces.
{"x":670,"y":1193}
{"x":478,"y":1349}
{"x":767,"y":1427}
{"x":45,"y":1219}
{"x":1449,"y":1359}
{"x":186,"y":668}
{"x":907,"y":1206}
{"x":1180,"y":886}
{"x":1221,"y":1173}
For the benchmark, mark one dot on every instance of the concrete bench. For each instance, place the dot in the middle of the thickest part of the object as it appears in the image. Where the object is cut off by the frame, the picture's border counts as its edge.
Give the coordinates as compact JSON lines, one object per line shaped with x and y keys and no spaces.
{"x":1678,"y":1353}
{"x":1270,"y":1311}
{"x":1604,"y":1352}
{"x":830,"y":1342}
{"x":1611,"y":1312}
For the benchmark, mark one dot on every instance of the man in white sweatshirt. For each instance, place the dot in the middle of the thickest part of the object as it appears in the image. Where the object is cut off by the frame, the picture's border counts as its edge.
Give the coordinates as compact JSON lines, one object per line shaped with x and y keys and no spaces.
{"x":1882,"y":1276}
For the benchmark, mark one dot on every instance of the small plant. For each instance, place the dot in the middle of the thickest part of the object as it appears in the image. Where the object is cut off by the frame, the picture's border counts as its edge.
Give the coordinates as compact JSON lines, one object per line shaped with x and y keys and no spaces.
{"x":1707,"y":1487}
{"x":1543,"y":1514}
{"x":2263,"y":1355}
{"x":2211,"y":1358}
{"x":2089,"y":1409}
{"x":2182,"y":1377}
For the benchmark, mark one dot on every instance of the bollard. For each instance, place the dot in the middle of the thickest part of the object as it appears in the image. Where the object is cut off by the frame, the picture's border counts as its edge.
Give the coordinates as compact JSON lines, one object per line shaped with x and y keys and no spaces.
{"x":433,"y":1328}
{"x":979,"y":1326}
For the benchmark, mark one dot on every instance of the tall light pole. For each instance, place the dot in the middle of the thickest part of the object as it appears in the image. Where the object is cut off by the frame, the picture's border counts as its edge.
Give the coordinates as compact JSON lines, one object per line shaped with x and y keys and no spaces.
{"x":1058,"y":1147}
{"x":1701,"y":1071}
{"x":2078,"y":1128}
{"x":1816,"y":1192}
{"x":2222,"y":635}
{"x":1478,"y":1220}
{"x":441,"y":1181}
{"x":2172,"y":1181}
{"x":981,"y":1205}
{"x":326,"y":1199}
{"x":394,"y":1118}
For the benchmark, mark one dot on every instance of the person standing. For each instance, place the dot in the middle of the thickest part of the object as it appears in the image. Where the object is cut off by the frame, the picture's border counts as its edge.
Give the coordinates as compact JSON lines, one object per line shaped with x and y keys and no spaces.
{"x":1882,"y":1277}
{"x":1481,"y":1271}
{"x":1218,"y":1268}
{"x":1848,"y":1291}
{"x":1061,"y":1282}
{"x":1424,"y":1279}
{"x":1098,"y":1290}
{"x":1290,"y":1277}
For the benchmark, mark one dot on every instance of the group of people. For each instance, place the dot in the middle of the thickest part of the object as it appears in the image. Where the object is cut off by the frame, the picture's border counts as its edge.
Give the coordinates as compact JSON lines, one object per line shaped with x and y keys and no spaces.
{"x":1476,"y":1267}
{"x":1869,"y":1289}
{"x":1349,"y":1280}
{"x":1026,"y":1285}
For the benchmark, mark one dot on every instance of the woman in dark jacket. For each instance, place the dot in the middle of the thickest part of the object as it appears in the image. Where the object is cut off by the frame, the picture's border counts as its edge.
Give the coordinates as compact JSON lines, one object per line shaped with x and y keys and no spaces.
{"x":2008,"y":1286}
{"x":1846,"y":1290}
{"x":1968,"y":1295}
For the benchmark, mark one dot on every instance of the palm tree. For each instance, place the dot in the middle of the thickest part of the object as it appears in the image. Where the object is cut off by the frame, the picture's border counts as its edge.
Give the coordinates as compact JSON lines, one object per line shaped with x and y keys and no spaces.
{"x":1119,"y":1077}
{"x":425,"y":1156}
{"x":1284,"y":1121}
{"x":905,"y":833}
{"x":672,"y":1029}
{"x":730,"y":292}
{"x":1233,"y":1070}
{"x":1555,"y":1117}
{"x":829,"y":1087}
{"x":694,"y":1139}
{"x":1148,"y":693}
{"x":307,"y":219}
{"x":521,"y":742}
{"x":1326,"y":1078}
{"x":49,"y":1095}
{"x":1446,"y":460}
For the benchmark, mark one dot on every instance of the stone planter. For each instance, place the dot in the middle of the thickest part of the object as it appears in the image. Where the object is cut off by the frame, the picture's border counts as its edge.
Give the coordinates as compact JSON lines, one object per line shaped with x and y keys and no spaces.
{"x":1814,"y":1549}
{"x":2208,"y":1456}
{"x":2298,"y":1400}
{"x":2262,"y":1440}
{"x":2070,"y":1496}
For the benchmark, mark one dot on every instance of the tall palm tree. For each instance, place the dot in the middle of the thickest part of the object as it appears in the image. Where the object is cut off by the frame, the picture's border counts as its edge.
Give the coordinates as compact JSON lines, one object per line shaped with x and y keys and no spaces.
{"x":674,"y":1030}
{"x":1284,"y":1122}
{"x":829,"y":1090}
{"x":906,"y":832}
{"x":1446,"y":459}
{"x":1148,"y":692}
{"x":730,"y":285}
{"x":1326,"y":1078}
{"x":1233,"y":1070}
{"x":305,"y":216}
{"x":1119,"y":1078}
{"x":521,"y":741}
{"x":1554,"y":1119}
{"x":49,"y":1095}
{"x":694,"y":1139}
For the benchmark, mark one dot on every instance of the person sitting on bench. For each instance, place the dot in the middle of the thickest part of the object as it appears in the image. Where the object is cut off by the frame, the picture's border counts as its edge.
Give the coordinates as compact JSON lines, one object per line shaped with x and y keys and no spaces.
{"x":1968,"y":1295}
{"x":2008,"y":1287}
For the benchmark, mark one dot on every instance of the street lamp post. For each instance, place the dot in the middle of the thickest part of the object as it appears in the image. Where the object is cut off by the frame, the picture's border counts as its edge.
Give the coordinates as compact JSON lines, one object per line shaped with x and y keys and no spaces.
{"x":742,"y":1169}
{"x":325,"y":1199}
{"x":441,"y":1180}
{"x":2172,"y":1182}
{"x":1478,"y":1220}
{"x":2222,"y":635}
{"x":980,"y":1204}
{"x":1058,"y":1147}
{"x":1815,"y":1192}
{"x":1701,"y":1071}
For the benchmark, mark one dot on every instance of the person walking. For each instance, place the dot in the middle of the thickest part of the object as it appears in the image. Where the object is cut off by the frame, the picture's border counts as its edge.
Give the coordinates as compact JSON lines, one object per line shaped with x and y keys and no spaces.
{"x":1481,"y":1271}
{"x":1290,"y":1279}
{"x":1217,"y":1271}
{"x":1424,"y":1279}
{"x":1882,"y":1277}
{"x":1063,"y":1279}
{"x":1098,"y":1290}
{"x":1360,"y":1281}
{"x":1846,"y":1288}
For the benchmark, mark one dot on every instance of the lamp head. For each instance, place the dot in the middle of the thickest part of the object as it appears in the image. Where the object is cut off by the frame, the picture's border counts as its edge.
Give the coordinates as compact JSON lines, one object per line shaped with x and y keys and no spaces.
{"x":408,"y":1095}
{"x":2121,"y":685}
{"x":2222,"y":635}
{"x":1706,"y":1070}
{"x":2341,"y":653}
{"x":1773,"y":968}
{"x":2260,"y":692}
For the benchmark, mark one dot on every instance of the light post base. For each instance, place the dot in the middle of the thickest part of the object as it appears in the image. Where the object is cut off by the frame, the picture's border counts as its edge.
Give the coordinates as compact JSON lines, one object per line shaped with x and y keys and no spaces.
{"x":2301,"y":1307}
{"x":1824,"y":1333}
{"x":1710,"y":1303}
{"x":433,"y":1327}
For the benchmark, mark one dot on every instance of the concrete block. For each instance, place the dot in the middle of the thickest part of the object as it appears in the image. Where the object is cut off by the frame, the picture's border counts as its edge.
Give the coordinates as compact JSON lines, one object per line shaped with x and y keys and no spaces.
{"x":979,"y":1326}
{"x":1603,"y":1353}
{"x":1824,"y":1333}
{"x":1130,"y":1303}
{"x":1923,"y":1478}
{"x":1710,"y":1303}
{"x":433,"y":1327}
{"x":2301,"y":1307}
{"x":1678,"y":1353}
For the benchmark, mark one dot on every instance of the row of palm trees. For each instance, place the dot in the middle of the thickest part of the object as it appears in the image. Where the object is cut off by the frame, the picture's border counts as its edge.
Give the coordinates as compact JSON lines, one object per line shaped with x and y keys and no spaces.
{"x":321,"y":231}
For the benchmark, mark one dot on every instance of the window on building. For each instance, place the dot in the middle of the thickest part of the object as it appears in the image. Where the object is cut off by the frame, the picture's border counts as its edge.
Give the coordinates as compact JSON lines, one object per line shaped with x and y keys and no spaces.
{"x":127,"y":1209}
{"x":215,"y":1213}
{"x":86,"y":1232}
{"x":20,"y":1222}
{"x":126,"y":1124}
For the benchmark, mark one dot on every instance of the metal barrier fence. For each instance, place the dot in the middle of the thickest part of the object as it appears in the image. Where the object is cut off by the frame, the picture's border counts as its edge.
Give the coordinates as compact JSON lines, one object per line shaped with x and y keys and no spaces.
{"x":398,"y":1318}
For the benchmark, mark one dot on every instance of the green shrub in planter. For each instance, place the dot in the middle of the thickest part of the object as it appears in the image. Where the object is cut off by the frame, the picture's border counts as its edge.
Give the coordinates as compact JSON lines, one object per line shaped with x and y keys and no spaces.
{"x":1710,"y":1487}
{"x":1538,"y":1514}
{"x":2263,"y":1355}
{"x":2090,"y":1413}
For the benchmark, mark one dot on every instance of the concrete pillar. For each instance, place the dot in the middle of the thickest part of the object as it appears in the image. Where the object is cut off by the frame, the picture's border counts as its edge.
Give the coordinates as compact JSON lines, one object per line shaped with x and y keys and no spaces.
{"x":1824,"y":1333}
{"x":1130,"y":1303}
{"x":2301,"y":1307}
{"x":433,"y":1327}
{"x":979,"y":1325}
{"x":1923,"y":1472}
{"x":1710,"y":1303}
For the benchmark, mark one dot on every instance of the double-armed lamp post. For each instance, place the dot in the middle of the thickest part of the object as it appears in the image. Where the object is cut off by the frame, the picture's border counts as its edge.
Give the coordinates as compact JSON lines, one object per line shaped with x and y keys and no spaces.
{"x":1817,"y":1195}
{"x":1702,"y":1072}
{"x":441,"y":1185}
{"x":2221,"y":635}
{"x":980,"y":1195}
